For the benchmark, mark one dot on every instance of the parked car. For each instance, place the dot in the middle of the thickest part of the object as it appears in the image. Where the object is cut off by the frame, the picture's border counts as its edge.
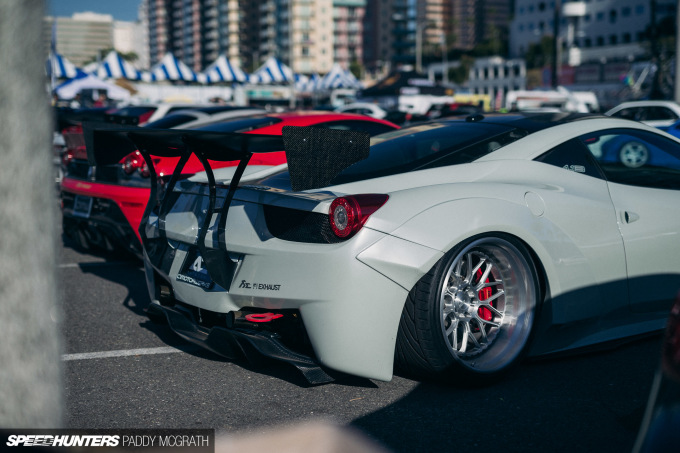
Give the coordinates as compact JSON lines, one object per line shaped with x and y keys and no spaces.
{"x":67,"y":120}
{"x":673,"y":129}
{"x":659,"y":431}
{"x":394,"y":116}
{"x":653,"y":113}
{"x":68,"y":139}
{"x":189,"y":118}
{"x":628,"y":150}
{"x":102,"y":208}
{"x":140,"y":114}
{"x":405,"y":118}
{"x":363,"y":108}
{"x":454,"y":109}
{"x":453,"y":247}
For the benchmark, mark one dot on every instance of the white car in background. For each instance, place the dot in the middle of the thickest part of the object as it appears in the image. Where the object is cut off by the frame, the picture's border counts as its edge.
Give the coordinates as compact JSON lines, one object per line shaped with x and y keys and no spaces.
{"x":653,"y":113}
{"x":140,"y":114}
{"x":364,"y":108}
{"x":452,"y":249}
{"x":190,"y":118}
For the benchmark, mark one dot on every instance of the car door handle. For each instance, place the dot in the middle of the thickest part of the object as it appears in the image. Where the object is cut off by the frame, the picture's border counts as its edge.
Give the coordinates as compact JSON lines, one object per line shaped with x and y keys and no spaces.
{"x":630,"y":217}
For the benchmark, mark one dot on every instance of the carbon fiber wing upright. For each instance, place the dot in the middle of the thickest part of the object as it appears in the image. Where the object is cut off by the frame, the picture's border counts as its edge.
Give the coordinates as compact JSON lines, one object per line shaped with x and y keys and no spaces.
{"x":112,"y":145}
{"x":315,"y":156}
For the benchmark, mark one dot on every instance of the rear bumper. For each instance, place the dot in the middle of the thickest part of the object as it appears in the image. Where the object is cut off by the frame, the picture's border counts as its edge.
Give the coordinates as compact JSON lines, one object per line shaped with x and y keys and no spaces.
{"x":115,"y":217}
{"x":130,"y":200}
{"x":349,"y":311}
{"x":235,"y":342}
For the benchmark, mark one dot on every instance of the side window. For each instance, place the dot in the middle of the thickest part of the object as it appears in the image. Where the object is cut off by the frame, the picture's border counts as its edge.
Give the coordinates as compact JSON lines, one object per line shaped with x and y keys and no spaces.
{"x":571,"y":156}
{"x":660,"y":113}
{"x":373,"y":128}
{"x":636,"y":158}
{"x":629,"y":114}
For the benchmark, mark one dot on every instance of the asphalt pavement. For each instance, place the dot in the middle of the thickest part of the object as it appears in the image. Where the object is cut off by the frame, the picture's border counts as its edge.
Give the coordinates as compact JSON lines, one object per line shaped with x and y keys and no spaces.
{"x":122,"y":371}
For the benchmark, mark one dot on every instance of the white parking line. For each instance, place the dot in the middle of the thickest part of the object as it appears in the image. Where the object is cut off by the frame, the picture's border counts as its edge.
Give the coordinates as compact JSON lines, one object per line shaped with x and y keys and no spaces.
{"x":121,"y":353}
{"x":94,"y":264}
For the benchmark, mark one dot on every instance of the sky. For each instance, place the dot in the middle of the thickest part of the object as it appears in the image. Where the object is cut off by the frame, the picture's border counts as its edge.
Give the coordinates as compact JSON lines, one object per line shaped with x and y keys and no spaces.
{"x":125,"y":10}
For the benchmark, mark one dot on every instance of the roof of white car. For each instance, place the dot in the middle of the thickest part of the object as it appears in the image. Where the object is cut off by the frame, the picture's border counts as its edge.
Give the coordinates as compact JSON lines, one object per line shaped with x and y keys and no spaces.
{"x":645,"y":103}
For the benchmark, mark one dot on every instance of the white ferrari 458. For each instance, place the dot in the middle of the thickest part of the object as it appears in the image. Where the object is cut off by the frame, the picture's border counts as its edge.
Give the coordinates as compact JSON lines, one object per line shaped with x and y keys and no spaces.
{"x":451,"y":249}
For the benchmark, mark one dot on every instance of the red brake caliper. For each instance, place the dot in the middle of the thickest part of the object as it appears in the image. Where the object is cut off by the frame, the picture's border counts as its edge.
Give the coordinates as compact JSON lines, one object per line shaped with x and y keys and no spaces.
{"x":484,"y":294}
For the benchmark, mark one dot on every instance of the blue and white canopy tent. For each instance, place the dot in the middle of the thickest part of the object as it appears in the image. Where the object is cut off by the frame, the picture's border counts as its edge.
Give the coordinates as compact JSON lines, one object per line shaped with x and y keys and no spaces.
{"x":170,"y":68}
{"x":305,"y":84}
{"x":70,"y":88}
{"x":114,"y":67}
{"x":59,"y":67}
{"x":339,"y":78}
{"x":222,"y":70}
{"x":273,"y":71}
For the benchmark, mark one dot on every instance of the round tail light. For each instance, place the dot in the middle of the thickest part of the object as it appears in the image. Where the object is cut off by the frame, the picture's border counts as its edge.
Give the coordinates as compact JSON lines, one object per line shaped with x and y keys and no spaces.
{"x":66,"y":158}
{"x":348,"y":214}
{"x":135,"y":162}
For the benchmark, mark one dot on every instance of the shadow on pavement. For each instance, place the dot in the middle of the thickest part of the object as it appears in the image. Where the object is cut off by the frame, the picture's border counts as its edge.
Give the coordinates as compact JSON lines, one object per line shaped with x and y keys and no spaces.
{"x":592,"y":402}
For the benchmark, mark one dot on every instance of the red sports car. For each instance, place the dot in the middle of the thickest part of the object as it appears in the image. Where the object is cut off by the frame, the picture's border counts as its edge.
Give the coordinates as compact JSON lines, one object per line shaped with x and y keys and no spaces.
{"x":103,"y":206}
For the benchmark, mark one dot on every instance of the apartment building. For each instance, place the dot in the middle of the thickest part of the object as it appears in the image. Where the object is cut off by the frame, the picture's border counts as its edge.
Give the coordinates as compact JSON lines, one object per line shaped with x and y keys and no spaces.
{"x":310,"y":35}
{"x":589,"y":30}
{"x":297,"y":32}
{"x":80,"y":37}
{"x":398,"y":32}
{"x":199,"y":31}
{"x":495,"y":76}
{"x":348,"y":28}
{"x":157,"y":14}
{"x":307,"y":35}
{"x":187,"y":28}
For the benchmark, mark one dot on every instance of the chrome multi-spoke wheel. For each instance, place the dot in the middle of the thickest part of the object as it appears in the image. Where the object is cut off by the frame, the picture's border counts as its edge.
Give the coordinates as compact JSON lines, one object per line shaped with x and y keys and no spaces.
{"x":473,"y":313}
{"x":472,"y":304}
{"x":487,"y":302}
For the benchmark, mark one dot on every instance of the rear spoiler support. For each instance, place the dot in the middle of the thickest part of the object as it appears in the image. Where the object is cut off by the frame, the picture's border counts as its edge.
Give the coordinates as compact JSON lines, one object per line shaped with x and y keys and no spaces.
{"x":110,"y":146}
{"x":315,"y":156}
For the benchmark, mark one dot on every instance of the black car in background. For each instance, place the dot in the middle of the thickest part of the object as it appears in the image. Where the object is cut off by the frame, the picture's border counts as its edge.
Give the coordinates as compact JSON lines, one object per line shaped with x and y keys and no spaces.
{"x":660,"y":431}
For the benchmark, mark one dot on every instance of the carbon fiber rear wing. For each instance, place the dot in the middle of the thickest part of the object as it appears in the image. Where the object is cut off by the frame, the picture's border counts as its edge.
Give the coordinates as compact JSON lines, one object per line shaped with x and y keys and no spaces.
{"x":315,"y":156}
{"x":110,"y":146}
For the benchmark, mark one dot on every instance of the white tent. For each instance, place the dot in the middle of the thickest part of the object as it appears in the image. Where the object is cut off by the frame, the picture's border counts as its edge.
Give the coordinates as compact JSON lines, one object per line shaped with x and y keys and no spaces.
{"x":69,"y":89}
{"x":222,"y":70}
{"x":339,"y":78}
{"x":170,"y":68}
{"x":304,"y":84}
{"x":61,"y":68}
{"x":114,"y":67}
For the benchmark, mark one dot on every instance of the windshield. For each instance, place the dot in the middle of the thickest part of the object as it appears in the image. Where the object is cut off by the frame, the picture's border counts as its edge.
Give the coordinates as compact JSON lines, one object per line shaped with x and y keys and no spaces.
{"x":171,"y":121}
{"x":427,"y":146}
{"x":240,"y":125}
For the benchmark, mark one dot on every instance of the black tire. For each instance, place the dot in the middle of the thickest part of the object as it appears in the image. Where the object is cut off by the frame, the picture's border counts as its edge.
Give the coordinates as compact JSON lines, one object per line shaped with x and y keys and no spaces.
{"x":477,"y":327}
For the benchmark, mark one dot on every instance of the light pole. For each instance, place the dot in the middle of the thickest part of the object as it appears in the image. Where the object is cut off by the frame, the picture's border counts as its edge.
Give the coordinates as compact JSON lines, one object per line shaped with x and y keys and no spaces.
{"x":420,"y":29}
{"x":573,"y":11}
{"x":556,"y":44}
{"x":445,"y":60}
{"x":291,"y":53}
{"x":419,"y":46}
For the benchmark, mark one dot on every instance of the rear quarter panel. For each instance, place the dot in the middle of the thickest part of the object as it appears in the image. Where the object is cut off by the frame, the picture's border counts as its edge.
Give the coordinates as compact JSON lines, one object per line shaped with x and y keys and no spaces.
{"x":566,"y":219}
